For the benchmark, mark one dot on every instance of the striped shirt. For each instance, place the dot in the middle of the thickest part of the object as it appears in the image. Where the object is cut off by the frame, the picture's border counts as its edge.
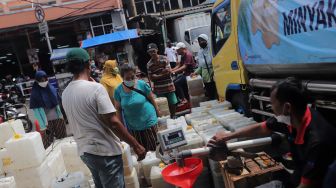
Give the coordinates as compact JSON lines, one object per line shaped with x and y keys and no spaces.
{"x":165,"y":84}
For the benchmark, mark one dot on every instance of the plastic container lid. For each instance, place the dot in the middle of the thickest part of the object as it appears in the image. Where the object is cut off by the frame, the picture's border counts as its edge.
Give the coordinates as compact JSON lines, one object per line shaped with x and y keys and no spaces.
{"x":162,"y":165}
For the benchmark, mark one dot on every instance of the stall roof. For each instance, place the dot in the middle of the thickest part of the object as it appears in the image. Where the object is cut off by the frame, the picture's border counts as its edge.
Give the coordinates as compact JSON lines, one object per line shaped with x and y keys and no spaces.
{"x":109,"y":38}
{"x":58,"y":54}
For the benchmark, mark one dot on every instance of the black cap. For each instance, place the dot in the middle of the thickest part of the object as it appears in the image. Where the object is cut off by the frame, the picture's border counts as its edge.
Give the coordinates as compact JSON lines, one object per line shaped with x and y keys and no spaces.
{"x":151,"y":46}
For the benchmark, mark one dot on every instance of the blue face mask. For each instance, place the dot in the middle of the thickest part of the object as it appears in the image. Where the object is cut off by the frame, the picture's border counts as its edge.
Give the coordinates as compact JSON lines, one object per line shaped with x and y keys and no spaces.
{"x":129,"y":83}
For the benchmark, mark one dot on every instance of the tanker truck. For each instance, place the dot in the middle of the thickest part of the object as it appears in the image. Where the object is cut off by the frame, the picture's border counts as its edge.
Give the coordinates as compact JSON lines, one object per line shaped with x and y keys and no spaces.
{"x":257,"y":42}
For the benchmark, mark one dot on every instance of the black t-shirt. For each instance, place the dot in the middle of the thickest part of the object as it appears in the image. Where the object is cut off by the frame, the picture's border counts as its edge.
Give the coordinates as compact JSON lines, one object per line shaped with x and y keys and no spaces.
{"x":312,"y":146}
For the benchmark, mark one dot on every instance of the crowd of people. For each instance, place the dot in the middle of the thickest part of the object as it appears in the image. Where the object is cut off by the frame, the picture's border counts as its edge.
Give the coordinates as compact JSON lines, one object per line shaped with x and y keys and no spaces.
{"x":122,"y":107}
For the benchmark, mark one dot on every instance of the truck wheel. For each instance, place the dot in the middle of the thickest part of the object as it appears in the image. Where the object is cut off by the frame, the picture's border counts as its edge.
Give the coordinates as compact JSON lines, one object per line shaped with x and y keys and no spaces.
{"x":239,"y":103}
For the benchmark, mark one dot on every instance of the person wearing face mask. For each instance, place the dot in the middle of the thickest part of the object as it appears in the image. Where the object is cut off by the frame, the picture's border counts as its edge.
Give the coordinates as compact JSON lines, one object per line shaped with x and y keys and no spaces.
{"x":44,"y":101}
{"x":311,"y":138}
{"x":205,"y":67}
{"x":95,"y":124}
{"x":111,"y":78}
{"x":135,"y":100}
{"x":159,"y":73}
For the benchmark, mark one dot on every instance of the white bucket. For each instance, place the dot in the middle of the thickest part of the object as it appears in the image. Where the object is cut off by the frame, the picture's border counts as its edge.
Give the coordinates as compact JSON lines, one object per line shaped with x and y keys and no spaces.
{"x":56,"y":163}
{"x":193,"y":141}
{"x":72,"y":161}
{"x":127,"y":158}
{"x":7,"y":130}
{"x":148,"y":162}
{"x":162,"y":103}
{"x":157,"y":180}
{"x":26,"y":152}
{"x":197,"y":99}
{"x":36,"y":177}
{"x":7,"y":182}
{"x":179,"y":122}
{"x":5,"y":162}
{"x":132,"y":180}
{"x":195,"y":85}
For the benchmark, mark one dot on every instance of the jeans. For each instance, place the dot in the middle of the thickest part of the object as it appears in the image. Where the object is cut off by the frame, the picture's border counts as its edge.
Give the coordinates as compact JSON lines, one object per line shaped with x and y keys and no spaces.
{"x":107,"y":171}
{"x":181,"y":87}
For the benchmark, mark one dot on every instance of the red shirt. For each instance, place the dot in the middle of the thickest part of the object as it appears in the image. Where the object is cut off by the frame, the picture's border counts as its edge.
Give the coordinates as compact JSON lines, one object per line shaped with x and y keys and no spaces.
{"x":312,"y":146}
{"x":188,"y":60}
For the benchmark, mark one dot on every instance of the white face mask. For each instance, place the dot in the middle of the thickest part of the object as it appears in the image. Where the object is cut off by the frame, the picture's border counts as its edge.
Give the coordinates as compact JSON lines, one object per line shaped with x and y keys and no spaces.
{"x":284,"y":119}
{"x":129,"y":83}
{"x":43,"y":84}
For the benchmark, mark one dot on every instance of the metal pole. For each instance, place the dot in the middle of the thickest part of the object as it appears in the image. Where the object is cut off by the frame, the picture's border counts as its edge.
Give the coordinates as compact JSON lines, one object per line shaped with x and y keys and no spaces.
{"x":313,"y":86}
{"x":123,"y":18}
{"x":165,"y":22}
{"x":230,"y":147}
{"x":29,"y":43}
{"x":249,"y":143}
{"x":164,"y":26}
{"x":48,"y":41}
{"x":17,"y":57}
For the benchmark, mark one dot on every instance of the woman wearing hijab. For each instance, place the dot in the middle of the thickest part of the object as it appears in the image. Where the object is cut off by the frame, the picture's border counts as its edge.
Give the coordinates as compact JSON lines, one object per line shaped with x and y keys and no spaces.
{"x":111,"y":78}
{"x":205,"y":67}
{"x":45,"y":104}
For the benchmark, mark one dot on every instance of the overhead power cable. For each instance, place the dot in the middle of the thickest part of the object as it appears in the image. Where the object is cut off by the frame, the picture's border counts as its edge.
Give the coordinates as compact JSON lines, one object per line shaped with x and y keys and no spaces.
{"x":63,"y":6}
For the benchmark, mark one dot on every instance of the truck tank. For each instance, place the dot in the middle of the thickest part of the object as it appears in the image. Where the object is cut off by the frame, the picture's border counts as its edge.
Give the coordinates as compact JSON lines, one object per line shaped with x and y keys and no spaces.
{"x":288,"y":37}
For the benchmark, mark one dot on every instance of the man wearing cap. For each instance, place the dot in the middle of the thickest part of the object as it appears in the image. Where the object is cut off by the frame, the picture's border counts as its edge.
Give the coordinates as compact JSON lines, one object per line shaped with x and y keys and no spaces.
{"x":159,"y":72}
{"x":95,"y":125}
{"x":185,"y":68}
{"x":205,"y":67}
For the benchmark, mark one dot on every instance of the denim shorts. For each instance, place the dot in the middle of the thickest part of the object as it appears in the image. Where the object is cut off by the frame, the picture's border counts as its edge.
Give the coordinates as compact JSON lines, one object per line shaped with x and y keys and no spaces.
{"x":107,"y":171}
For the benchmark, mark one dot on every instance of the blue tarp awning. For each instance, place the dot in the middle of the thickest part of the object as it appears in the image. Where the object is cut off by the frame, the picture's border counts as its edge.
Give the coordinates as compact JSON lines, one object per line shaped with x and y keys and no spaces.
{"x":112,"y":37}
{"x":59,"y":54}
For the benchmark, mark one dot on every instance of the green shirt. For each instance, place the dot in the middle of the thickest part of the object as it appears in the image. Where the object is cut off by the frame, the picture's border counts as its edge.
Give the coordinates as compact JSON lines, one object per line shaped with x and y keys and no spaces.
{"x":204,"y":74}
{"x":139,"y":113}
{"x":204,"y":59}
